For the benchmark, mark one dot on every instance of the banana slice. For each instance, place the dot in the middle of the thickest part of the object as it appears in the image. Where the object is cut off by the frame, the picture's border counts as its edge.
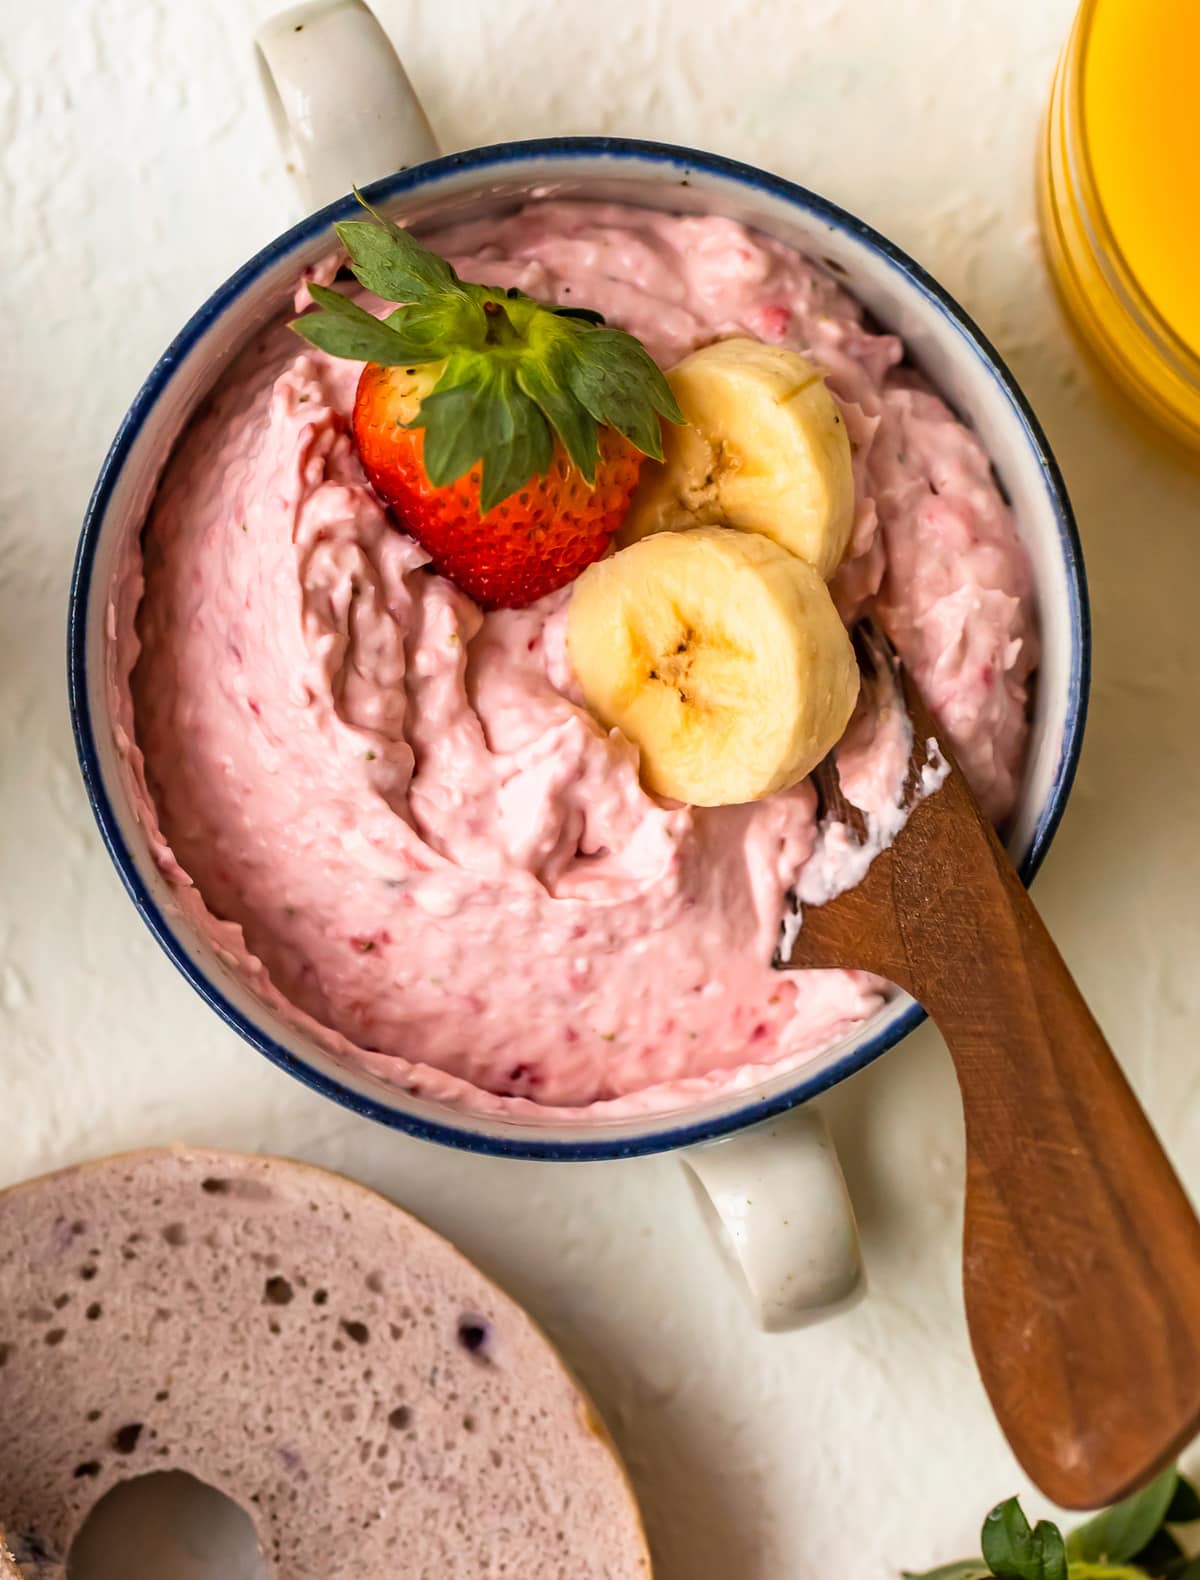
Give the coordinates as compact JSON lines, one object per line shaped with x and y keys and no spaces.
{"x":765,"y":449}
{"x":720,"y":655}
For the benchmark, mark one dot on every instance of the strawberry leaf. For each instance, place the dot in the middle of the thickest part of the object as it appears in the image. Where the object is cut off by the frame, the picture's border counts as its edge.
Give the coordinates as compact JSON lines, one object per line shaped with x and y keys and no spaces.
{"x":586,"y":315}
{"x":573,"y":424}
{"x":389,"y":262}
{"x":614,"y":378}
{"x":518,"y":446}
{"x":390,"y":251}
{"x":343,"y":329}
{"x":440,"y":327}
{"x":475,"y":413}
{"x":452,"y":419}
{"x":519,"y":373}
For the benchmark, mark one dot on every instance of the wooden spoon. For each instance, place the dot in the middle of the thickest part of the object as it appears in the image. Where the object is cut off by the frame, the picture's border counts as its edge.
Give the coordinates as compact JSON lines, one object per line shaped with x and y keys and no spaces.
{"x":1081,"y":1252}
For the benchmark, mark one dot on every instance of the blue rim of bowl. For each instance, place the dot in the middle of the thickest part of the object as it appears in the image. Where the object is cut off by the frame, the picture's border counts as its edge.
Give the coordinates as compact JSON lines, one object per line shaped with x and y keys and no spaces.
{"x":681,"y":161}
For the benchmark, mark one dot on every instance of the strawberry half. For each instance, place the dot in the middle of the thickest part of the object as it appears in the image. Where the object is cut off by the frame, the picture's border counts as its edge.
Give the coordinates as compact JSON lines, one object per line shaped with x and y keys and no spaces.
{"x":505,"y":434}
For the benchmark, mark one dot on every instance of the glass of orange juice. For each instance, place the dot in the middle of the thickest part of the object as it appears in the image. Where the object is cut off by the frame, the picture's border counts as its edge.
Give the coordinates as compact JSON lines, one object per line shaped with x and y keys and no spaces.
{"x":1120,"y":198}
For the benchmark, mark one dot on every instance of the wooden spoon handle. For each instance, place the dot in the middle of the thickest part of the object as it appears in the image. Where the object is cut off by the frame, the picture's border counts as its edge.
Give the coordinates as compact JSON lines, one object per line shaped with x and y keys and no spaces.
{"x":1081,"y":1253}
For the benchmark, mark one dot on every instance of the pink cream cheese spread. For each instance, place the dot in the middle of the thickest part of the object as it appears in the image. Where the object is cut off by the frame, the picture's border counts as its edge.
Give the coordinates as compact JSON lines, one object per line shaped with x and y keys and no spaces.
{"x":391,"y":814}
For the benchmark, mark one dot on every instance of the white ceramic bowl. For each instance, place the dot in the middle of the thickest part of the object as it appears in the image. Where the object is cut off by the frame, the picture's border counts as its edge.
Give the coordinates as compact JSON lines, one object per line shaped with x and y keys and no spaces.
{"x":940,"y":339}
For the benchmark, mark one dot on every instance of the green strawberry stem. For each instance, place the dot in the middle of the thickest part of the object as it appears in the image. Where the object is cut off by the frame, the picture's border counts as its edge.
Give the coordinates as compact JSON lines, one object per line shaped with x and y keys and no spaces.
{"x":516,"y":373}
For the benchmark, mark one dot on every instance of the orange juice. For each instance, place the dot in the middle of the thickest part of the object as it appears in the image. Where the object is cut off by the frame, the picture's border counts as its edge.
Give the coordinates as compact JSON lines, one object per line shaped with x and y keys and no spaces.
{"x":1141,"y":107}
{"x":1120,"y":195}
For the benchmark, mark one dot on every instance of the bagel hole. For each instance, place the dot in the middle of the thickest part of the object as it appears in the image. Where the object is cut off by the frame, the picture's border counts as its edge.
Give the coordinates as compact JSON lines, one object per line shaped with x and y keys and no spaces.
{"x":166,"y":1526}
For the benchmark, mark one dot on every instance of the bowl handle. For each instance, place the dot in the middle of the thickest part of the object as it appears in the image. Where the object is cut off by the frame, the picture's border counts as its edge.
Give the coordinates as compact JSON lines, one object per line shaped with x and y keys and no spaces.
{"x":343,"y":108}
{"x":783,"y":1216}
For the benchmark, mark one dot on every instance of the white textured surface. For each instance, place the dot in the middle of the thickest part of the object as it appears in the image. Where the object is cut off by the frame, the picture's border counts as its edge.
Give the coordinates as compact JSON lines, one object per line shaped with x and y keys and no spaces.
{"x":137,"y":169}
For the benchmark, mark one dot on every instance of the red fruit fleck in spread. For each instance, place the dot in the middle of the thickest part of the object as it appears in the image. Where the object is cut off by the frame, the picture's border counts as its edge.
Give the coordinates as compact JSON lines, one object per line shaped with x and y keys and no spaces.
{"x":771,"y":322}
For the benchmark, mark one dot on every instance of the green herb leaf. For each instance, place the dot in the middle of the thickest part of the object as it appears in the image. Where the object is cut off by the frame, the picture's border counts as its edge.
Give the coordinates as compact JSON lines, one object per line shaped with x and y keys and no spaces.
{"x":1017,"y":1553}
{"x":1116,"y":1535}
{"x":965,"y":1569}
{"x":343,"y":329}
{"x":1184,"y":1506}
